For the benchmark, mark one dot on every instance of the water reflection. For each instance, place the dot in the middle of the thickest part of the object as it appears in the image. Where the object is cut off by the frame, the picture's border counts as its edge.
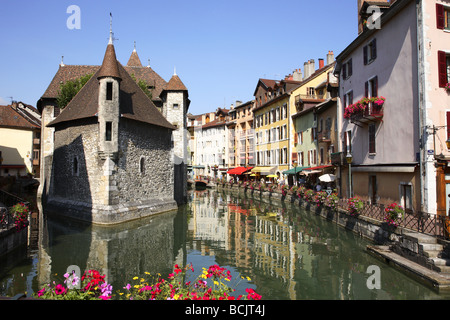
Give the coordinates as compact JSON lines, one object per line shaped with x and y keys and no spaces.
{"x":287,"y":252}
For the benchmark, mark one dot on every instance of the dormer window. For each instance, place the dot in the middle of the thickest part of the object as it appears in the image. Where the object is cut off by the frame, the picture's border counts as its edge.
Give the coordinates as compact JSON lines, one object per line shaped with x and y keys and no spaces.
{"x":109,"y":91}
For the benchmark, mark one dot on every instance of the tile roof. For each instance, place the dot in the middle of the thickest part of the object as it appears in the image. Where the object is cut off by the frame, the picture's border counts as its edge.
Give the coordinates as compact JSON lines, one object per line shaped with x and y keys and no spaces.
{"x":17,"y":118}
{"x":134,"y":103}
{"x":109,"y":66}
{"x":73,"y":72}
{"x":175,"y":84}
{"x":134,"y":60}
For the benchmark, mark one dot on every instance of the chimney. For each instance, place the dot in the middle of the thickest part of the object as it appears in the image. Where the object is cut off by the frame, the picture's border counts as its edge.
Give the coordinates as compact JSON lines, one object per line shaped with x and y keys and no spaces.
{"x":321,"y":63}
{"x":306,"y":69}
{"x":330,"y":57}
{"x":312,"y":66}
{"x":297,"y":76}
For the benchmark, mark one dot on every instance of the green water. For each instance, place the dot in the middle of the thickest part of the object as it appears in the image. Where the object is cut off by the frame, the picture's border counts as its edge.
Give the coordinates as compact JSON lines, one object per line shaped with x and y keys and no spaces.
{"x":287,"y":253}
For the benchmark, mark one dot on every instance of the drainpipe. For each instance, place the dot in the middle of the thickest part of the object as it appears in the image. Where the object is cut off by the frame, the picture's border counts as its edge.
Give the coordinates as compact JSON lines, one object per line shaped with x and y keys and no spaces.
{"x":422,"y":109}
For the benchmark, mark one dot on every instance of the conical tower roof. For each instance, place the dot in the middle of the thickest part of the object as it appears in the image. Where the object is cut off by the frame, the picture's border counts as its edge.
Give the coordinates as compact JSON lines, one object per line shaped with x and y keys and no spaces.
{"x":134,"y":60}
{"x":175,"y":84}
{"x":109,"y":66}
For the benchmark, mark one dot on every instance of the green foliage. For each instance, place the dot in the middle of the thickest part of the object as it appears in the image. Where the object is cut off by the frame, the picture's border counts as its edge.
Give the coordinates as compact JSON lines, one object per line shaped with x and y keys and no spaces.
{"x":143,"y":85}
{"x":69,"y":89}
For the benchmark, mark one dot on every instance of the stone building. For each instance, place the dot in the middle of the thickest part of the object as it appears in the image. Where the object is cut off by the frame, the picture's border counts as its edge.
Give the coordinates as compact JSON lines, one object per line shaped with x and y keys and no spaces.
{"x":113,"y":154}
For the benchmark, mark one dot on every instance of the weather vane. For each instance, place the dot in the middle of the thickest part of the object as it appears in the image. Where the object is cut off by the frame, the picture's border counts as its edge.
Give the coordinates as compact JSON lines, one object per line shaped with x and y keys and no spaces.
{"x":111,"y":34}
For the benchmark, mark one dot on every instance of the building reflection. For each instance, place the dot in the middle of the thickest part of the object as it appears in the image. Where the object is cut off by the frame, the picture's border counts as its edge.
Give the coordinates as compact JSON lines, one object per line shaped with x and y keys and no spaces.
{"x":288,"y":253}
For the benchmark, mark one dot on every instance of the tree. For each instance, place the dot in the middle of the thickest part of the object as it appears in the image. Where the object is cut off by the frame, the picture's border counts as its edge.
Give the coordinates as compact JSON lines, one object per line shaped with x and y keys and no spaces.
{"x":143,"y":85}
{"x":69,"y":89}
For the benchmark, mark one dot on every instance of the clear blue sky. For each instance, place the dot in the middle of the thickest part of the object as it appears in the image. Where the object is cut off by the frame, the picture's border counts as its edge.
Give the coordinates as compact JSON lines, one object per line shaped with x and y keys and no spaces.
{"x":219,"y":48}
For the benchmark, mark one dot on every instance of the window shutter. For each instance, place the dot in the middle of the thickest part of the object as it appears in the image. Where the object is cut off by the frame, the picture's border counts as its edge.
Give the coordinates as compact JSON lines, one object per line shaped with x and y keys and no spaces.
{"x":372,"y":138}
{"x":440,"y":24}
{"x":366,"y":90}
{"x":374,"y":49}
{"x":375,"y":87}
{"x":442,"y":67}
{"x":448,"y":125}
{"x":345,"y":100}
{"x":344,"y":71}
{"x":350,"y":68}
{"x":295,"y":138}
{"x":344,"y":143}
{"x":365,"y":54}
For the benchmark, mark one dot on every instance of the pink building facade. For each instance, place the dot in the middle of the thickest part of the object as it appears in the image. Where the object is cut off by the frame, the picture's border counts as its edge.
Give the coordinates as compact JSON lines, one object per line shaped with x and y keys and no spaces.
{"x":378,"y":114}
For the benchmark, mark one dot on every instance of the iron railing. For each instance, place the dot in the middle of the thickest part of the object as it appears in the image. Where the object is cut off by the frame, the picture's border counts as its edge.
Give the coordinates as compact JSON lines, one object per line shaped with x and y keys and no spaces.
{"x":423,"y":222}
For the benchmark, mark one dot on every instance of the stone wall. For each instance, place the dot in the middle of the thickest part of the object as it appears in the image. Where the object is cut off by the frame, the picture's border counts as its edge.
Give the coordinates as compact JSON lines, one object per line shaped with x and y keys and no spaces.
{"x":149,"y":146}
{"x":136,"y":183}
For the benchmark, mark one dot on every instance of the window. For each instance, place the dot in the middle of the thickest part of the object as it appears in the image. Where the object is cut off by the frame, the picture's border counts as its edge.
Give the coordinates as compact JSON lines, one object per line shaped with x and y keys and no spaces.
{"x":444,"y":68}
{"x":442,"y":17}
{"x":373,"y":189}
{"x":347,"y":142}
{"x":75,"y":166}
{"x":142,"y":165}
{"x":347,"y":69}
{"x":175,"y":106}
{"x":371,"y":88}
{"x":370,"y":52}
{"x":108,"y":131}
{"x":348,"y":99}
{"x":406,"y":196}
{"x":372,"y":133}
{"x":109,"y":91}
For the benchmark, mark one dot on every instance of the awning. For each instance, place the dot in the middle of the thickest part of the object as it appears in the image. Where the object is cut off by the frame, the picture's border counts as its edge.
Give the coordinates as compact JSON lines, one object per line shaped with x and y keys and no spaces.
{"x":319,"y":167}
{"x":12,"y":166}
{"x":263,"y":170}
{"x":295,"y":170}
{"x":239,"y":170}
{"x":308,"y":172}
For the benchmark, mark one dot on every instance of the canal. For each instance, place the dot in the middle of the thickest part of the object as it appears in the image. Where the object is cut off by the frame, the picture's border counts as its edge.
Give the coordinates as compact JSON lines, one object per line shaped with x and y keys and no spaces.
{"x":281,"y":251}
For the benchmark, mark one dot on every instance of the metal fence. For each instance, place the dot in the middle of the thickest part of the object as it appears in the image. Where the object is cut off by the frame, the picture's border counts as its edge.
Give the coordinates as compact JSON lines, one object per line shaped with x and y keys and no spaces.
{"x":423,"y":222}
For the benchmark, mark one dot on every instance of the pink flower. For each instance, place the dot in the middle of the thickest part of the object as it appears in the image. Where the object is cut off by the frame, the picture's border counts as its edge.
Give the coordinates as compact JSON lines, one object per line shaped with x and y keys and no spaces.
{"x":60,"y":290}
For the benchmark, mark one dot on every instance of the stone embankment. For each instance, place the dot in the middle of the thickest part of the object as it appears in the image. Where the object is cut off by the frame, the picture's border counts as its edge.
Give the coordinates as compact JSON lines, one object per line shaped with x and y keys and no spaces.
{"x":421,"y":256}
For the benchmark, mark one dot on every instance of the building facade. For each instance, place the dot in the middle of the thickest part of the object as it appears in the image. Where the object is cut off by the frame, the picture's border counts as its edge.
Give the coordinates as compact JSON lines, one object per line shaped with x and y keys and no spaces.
{"x":379,"y":127}
{"x":20,"y":130}
{"x":434,"y":102}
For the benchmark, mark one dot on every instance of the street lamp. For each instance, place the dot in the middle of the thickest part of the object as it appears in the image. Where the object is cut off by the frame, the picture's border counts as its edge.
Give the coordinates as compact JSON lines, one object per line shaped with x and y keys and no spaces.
{"x":349,"y":158}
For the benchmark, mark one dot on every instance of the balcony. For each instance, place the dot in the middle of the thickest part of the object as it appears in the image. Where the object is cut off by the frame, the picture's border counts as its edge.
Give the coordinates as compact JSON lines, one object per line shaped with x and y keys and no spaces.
{"x":372,"y":113}
{"x":324,"y":137}
{"x":365,"y":110}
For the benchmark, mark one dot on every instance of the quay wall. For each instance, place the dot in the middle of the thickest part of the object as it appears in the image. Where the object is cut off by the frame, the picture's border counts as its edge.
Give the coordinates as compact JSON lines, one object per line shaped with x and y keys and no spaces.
{"x":11,"y":239}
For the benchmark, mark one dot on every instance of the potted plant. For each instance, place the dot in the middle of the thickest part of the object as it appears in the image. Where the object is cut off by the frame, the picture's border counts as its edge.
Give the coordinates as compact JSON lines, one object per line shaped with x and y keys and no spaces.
{"x":20,"y":213}
{"x":332,"y":201}
{"x":355,"y":205}
{"x":393,"y":214}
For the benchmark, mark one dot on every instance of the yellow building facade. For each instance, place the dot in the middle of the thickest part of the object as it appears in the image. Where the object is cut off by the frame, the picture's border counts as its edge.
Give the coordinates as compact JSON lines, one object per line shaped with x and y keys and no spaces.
{"x":271,"y":120}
